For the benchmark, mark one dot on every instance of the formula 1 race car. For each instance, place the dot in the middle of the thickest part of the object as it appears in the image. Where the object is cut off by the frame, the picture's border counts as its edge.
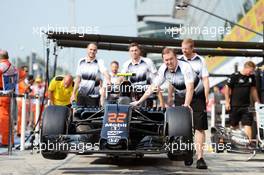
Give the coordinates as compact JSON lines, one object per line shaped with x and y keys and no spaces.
{"x":118,"y":129}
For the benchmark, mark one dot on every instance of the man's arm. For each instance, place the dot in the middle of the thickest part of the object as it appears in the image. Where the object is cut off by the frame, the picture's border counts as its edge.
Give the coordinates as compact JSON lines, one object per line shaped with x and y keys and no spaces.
{"x":231,"y":81}
{"x":254,"y":93}
{"x":51,"y":97}
{"x":189,"y":94}
{"x":149,"y":91}
{"x":107,"y":77}
{"x":75,"y":88}
{"x":228,"y":92}
{"x":51,"y":89}
{"x":189,"y":84}
{"x":159,"y":80}
{"x":153,"y":74}
{"x":102,"y":92}
{"x":205,"y":79}
{"x":120,"y":80}
{"x":170,"y":95}
{"x":103,"y":71}
{"x":206,"y":88}
{"x":161,"y":100}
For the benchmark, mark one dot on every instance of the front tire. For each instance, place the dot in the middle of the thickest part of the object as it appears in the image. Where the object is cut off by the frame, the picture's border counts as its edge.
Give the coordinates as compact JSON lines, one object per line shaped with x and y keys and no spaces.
{"x":179,"y":131}
{"x":54,"y":123}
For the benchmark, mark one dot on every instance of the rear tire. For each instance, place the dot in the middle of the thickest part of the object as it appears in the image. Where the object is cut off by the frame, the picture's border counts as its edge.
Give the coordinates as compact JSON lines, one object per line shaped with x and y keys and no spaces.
{"x":54,"y":123}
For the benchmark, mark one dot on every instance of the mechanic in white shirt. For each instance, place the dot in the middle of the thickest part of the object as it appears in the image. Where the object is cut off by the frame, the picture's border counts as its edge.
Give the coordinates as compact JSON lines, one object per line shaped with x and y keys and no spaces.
{"x":88,"y":77}
{"x":200,"y":96}
{"x":144,"y":69}
{"x":111,"y":90}
{"x":176,"y":72}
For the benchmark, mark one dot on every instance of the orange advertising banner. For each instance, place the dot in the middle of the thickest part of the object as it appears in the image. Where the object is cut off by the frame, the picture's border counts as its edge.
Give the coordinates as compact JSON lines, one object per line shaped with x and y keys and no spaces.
{"x":253,"y":20}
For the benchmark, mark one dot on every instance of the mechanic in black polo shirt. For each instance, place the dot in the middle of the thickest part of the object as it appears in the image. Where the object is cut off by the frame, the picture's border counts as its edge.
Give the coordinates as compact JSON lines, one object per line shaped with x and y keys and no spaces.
{"x":239,"y":88}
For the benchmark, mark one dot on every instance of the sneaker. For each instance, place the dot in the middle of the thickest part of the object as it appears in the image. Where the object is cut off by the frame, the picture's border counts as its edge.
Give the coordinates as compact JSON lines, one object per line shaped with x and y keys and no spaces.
{"x":200,"y":164}
{"x":252,"y":145}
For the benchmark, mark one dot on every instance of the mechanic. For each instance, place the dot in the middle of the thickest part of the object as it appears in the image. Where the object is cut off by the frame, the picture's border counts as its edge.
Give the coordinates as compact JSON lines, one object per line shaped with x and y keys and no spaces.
{"x":6,"y":69}
{"x":109,"y":91}
{"x":239,"y":88}
{"x":60,"y":90}
{"x":88,"y":78}
{"x":24,"y":87}
{"x":200,"y":96}
{"x":179,"y":74}
{"x":114,"y":70}
{"x":143,"y":67}
{"x":38,"y":87}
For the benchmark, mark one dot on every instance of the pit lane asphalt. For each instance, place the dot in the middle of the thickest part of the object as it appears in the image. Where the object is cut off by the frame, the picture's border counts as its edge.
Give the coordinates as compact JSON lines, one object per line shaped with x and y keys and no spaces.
{"x":222,"y":163}
{"x":24,"y":162}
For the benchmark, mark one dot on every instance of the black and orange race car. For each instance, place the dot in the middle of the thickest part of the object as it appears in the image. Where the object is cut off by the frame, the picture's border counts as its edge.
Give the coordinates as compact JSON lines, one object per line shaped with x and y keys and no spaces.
{"x":118,"y":129}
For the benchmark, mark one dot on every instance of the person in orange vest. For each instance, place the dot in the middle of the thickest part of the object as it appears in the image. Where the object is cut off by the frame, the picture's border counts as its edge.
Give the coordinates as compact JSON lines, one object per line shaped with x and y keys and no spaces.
{"x":24,"y":87}
{"x":6,"y":70}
